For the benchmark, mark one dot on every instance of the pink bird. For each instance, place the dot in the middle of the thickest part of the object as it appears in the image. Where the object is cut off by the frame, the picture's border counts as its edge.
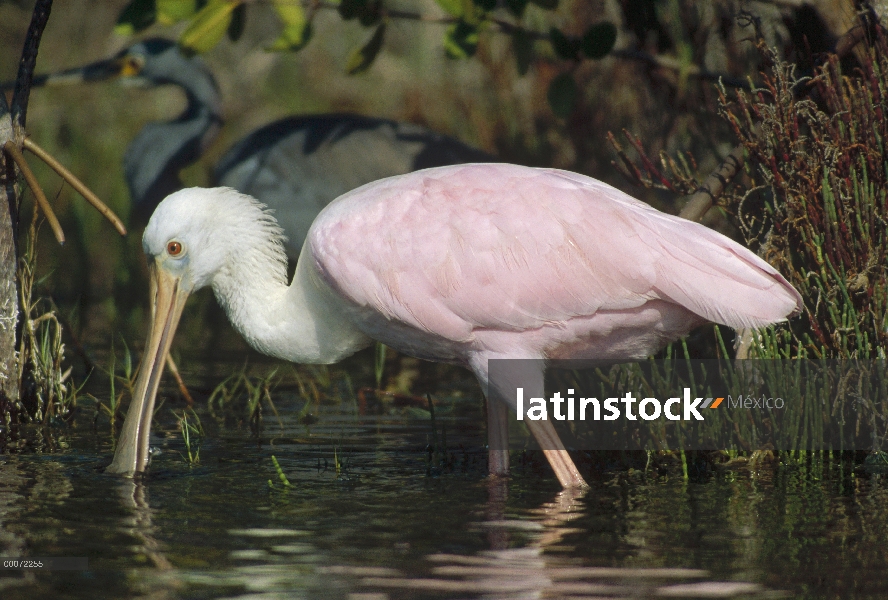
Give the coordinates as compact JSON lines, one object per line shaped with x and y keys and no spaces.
{"x":459,"y":264}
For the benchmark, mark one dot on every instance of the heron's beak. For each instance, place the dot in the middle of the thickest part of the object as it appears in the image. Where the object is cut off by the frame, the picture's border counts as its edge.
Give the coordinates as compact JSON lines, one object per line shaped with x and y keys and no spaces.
{"x":97,"y":71}
{"x":168,"y":297}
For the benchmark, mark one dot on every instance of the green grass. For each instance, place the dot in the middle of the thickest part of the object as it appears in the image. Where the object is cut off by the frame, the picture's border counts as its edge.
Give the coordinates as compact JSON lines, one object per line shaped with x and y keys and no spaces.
{"x":189,"y":431}
{"x":280,"y":474}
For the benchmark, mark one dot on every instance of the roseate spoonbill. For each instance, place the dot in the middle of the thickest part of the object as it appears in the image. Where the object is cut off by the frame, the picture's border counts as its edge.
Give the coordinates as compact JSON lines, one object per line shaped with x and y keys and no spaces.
{"x":295,"y":166}
{"x":456,"y":264}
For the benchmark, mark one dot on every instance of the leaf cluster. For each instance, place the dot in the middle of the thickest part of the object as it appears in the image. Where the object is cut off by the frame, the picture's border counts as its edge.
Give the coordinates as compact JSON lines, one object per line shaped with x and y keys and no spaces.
{"x":209,"y":21}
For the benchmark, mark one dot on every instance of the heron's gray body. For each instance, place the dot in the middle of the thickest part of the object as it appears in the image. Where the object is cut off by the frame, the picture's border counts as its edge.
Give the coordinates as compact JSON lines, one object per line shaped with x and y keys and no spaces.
{"x":295,"y":166}
{"x":308,"y":161}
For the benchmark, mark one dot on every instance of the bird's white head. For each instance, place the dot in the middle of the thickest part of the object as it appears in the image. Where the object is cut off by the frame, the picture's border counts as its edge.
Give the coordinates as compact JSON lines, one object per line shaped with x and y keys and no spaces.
{"x":200,"y":235}
{"x":195,"y":238}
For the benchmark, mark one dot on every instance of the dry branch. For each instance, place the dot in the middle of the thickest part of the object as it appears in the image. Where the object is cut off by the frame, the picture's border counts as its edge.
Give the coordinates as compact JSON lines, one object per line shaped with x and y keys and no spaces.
{"x":75,"y":183}
{"x":10,"y":149}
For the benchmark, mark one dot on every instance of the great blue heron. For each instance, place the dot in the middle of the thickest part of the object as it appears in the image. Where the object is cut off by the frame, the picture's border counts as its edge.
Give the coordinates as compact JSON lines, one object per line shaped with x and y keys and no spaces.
{"x":295,"y":165}
{"x":460,"y":264}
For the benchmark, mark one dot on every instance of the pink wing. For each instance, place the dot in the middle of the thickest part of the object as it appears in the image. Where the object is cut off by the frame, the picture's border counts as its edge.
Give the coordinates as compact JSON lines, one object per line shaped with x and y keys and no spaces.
{"x":507,"y":248}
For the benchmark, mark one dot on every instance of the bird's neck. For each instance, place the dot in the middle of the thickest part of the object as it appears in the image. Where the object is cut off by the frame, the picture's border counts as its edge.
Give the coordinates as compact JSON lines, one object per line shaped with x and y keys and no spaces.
{"x":157,"y":154}
{"x":195,"y":79}
{"x":304,"y":322}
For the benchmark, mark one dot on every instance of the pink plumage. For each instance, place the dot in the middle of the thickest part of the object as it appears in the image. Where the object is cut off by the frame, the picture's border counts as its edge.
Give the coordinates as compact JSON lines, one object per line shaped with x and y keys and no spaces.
{"x":533,"y":263}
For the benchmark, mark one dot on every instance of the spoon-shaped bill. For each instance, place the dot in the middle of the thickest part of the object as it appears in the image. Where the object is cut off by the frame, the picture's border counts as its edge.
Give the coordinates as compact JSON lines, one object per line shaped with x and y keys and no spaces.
{"x":168,"y":298}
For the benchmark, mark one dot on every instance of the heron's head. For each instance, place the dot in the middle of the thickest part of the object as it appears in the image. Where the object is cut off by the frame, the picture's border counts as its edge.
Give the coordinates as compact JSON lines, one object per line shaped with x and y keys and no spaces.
{"x":161,"y":149}
{"x":154,"y":61}
{"x":147,"y":63}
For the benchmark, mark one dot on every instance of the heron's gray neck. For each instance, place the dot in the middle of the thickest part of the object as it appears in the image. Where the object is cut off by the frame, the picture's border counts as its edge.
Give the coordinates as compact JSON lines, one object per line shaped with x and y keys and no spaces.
{"x":304,"y":322}
{"x":195,"y":78}
{"x":157,"y":154}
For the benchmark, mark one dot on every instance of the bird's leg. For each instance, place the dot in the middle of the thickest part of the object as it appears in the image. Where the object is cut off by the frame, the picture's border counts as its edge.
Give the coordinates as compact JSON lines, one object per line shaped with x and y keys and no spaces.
{"x":508,"y":375}
{"x":497,"y":437}
{"x":558,"y":457}
{"x":499,"y":538}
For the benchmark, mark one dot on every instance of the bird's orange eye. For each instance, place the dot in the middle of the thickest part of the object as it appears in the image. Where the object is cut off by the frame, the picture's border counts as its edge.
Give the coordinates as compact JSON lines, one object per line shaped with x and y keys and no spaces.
{"x":174,"y":248}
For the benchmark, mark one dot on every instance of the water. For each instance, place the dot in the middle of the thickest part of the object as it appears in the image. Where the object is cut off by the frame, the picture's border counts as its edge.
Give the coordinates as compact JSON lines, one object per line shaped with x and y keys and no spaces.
{"x":398,"y":521}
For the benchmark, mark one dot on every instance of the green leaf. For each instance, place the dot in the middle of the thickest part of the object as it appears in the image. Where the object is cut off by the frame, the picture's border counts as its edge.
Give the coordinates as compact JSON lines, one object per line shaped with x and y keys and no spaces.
{"x":522,"y":46}
{"x":485,"y":5}
{"x":352,"y":9}
{"x":209,"y":25}
{"x":349,"y":9}
{"x":599,"y":40}
{"x":297,"y":29}
{"x":291,"y":39}
{"x":470,"y":11}
{"x":361,"y":58}
{"x":562,"y":95}
{"x":565,"y":47}
{"x":366,"y":11}
{"x":238,"y":22}
{"x":371,"y":14}
{"x":452,"y":7}
{"x":290,"y":12}
{"x":138,"y":15}
{"x":461,"y":40}
{"x":280,"y":473}
{"x":546,"y":4}
{"x":170,"y":12}
{"x":516,"y":7}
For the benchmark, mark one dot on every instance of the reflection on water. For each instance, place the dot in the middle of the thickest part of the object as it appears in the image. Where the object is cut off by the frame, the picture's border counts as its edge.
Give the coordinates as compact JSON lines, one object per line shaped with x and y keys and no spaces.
{"x":528,"y":571}
{"x":372,"y":513}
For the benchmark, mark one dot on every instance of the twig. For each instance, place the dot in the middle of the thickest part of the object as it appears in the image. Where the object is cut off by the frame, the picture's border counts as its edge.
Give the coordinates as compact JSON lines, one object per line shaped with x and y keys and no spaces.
{"x":851,"y":38}
{"x":28,"y":61}
{"x":75,"y":183}
{"x":4,"y":104}
{"x":19,"y":160}
{"x":72,"y":335}
{"x":174,"y":371}
{"x":673,"y":64}
{"x":703,"y":199}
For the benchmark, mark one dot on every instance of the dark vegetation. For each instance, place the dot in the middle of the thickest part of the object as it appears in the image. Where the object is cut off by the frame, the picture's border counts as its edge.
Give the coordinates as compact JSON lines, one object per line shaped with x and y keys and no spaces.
{"x":812,"y":198}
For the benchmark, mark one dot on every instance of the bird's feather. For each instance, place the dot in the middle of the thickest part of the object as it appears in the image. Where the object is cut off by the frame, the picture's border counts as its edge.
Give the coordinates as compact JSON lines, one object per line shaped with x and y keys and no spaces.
{"x":465,"y":249}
